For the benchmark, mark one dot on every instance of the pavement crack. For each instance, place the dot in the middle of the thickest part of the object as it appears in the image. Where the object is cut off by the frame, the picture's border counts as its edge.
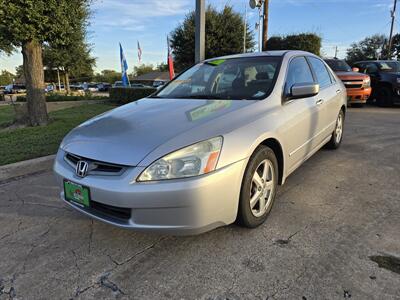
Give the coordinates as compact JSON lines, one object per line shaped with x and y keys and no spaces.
{"x":77,"y":291}
{"x":145,"y":249}
{"x":91,"y":236}
{"x":107,"y":283}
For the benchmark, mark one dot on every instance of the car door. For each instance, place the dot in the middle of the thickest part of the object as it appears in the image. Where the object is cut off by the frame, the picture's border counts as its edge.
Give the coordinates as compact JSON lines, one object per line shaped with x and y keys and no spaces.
{"x":372,"y":70}
{"x":329,"y":99}
{"x":302,"y":115}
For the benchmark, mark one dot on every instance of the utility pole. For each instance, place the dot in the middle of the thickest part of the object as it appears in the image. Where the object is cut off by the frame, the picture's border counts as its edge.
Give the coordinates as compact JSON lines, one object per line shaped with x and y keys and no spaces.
{"x":265,"y":26}
{"x":393,"y":13}
{"x":245,"y":29}
{"x":336,"y":51}
{"x":200,"y":24}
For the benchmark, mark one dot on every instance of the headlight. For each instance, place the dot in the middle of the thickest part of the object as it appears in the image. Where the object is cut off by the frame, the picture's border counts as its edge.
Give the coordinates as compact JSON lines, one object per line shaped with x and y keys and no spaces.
{"x":367,"y":82}
{"x":194,"y":160}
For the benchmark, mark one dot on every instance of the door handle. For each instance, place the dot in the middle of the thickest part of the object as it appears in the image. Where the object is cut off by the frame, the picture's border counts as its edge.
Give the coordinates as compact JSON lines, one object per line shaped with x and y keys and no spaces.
{"x":338,"y":91}
{"x":319,"y":102}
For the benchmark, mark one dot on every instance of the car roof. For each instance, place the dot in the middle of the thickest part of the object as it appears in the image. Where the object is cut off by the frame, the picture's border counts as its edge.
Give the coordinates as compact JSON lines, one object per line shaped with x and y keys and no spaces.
{"x":262,"y":54}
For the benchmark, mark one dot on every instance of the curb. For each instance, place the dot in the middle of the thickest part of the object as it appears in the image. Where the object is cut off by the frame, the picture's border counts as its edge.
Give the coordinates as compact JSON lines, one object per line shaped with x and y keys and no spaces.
{"x":26,"y":167}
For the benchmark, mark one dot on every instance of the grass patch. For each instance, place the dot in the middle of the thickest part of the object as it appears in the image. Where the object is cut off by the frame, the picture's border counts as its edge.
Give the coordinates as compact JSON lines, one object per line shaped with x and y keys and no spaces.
{"x":6,"y":115}
{"x":30,"y":142}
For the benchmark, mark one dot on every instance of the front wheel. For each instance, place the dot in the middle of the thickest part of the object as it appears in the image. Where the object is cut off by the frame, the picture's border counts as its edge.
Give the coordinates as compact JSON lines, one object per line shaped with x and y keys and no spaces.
{"x":258,"y":187}
{"x":337,"y":135}
{"x":384,"y":97}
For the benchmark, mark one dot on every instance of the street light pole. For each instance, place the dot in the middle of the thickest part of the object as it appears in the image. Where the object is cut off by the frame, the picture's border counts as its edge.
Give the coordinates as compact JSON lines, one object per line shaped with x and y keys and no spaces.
{"x":200,"y":23}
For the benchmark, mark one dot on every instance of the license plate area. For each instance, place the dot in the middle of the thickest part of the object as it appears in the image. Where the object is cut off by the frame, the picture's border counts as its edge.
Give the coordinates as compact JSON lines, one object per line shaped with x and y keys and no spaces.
{"x":76,"y":193}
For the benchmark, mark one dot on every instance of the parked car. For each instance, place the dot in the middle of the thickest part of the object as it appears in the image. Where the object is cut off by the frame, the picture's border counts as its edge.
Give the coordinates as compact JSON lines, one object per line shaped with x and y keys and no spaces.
{"x":77,"y":88}
{"x":118,"y":84}
{"x":358,"y":85}
{"x":137,"y":85}
{"x":158,"y":83}
{"x":385,"y":80}
{"x":91,"y":87}
{"x":15,"y":89}
{"x":196,"y":155}
{"x":103,"y":87}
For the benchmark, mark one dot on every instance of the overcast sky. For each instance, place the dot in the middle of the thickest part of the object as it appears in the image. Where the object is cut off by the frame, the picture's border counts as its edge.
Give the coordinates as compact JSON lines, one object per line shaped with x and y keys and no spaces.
{"x":339,"y":22}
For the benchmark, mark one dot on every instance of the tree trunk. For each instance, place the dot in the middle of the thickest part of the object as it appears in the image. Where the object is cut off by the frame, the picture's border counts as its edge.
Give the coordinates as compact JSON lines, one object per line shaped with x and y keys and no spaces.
{"x":34,"y":80}
{"x":67,"y":87}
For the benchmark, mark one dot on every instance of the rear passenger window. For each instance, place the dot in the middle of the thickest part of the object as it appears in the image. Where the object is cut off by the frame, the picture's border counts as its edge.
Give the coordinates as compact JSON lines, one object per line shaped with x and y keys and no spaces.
{"x":321,"y":72}
{"x":298,"y":72}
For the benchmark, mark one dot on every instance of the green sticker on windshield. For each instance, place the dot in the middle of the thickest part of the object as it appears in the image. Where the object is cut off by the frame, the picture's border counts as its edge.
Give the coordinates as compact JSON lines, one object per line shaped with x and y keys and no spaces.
{"x":216,"y":62}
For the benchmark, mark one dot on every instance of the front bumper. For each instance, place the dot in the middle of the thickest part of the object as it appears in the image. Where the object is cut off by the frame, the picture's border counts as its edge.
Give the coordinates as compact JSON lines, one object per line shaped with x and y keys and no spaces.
{"x":184,"y":206}
{"x":356,"y":96}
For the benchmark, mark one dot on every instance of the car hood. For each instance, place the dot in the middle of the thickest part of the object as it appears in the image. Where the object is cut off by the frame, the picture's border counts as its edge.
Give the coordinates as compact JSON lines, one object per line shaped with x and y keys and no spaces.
{"x":127,"y":134}
{"x":351,"y":75}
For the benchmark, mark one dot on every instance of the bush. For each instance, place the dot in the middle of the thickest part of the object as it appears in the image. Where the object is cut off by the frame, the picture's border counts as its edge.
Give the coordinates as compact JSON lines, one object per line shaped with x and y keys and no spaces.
{"x":58,"y":97}
{"x":123,"y":95}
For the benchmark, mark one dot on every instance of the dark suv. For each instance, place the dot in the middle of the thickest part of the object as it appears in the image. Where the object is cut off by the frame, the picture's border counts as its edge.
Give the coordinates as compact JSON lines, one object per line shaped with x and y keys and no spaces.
{"x":385,"y":80}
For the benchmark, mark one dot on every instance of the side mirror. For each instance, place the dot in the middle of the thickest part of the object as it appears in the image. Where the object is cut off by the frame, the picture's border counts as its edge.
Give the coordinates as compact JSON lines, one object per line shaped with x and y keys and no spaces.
{"x":303,"y":90}
{"x":355,"y":69}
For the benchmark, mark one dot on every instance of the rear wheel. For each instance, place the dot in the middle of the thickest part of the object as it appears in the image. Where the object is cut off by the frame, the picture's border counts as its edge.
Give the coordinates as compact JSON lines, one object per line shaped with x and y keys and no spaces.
{"x":258,"y":187}
{"x":384,"y":96}
{"x":337,"y":134}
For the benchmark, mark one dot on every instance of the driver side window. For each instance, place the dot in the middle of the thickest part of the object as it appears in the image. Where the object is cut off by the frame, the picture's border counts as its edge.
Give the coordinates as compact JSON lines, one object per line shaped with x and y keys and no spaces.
{"x":371,"y":68}
{"x":298,"y":72}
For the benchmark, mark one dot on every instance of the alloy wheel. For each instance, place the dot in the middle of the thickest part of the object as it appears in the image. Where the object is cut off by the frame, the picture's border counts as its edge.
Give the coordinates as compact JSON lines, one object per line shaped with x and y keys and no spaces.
{"x":262,"y":188}
{"x":339,"y":128}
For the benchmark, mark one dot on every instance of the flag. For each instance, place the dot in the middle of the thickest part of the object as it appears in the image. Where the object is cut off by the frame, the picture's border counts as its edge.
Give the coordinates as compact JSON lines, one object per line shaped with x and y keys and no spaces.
{"x":139,"y":52}
{"x":124,"y":67}
{"x":170,"y":61}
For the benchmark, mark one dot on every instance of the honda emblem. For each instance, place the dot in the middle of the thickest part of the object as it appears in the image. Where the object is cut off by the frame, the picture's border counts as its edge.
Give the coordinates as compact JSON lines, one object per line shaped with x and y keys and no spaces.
{"x":82,"y":168}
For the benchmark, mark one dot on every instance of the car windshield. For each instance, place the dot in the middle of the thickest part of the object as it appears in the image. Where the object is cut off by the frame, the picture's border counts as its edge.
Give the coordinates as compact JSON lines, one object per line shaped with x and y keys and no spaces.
{"x":338,"y":65}
{"x":233,"y":79}
{"x":389,"y":66}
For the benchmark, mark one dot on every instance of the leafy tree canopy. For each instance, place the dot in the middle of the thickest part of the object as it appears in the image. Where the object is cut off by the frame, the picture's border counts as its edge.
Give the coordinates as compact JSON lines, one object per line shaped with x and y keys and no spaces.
{"x":224,"y":36}
{"x":372,"y":47}
{"x":109,"y":76}
{"x":51,"y":21}
{"x":6,"y":77}
{"x":310,"y":42}
{"x":142,"y":69}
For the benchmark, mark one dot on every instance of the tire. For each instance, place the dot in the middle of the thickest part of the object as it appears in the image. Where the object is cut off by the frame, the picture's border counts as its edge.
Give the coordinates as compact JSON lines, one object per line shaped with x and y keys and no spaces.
{"x":262,"y":187}
{"x":337,"y":134}
{"x":384,"y":96}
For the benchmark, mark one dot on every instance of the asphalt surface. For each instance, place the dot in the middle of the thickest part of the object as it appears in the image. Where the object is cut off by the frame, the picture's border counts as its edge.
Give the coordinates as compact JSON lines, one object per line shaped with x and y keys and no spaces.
{"x":334,"y":233}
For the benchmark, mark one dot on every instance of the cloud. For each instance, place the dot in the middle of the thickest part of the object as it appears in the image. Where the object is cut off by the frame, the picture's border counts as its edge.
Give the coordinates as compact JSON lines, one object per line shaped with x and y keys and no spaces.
{"x":134,"y":15}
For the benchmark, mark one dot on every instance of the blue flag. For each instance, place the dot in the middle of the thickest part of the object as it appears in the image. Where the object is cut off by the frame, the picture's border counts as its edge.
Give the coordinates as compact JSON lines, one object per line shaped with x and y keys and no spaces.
{"x":124,"y":67}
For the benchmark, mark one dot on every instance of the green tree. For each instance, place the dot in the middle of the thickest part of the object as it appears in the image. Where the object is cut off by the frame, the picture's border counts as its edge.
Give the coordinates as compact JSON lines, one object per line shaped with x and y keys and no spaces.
{"x":310,"y":42}
{"x":224,"y":36}
{"x":372,"y":47}
{"x":6,"y":77}
{"x":142,"y":69}
{"x":31,"y":23}
{"x":73,"y":59}
{"x":109,"y":76}
{"x":19,"y":71}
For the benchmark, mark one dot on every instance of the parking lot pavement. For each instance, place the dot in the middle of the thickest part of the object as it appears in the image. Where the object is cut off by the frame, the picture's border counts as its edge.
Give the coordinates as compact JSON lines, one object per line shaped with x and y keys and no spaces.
{"x":332,"y":234}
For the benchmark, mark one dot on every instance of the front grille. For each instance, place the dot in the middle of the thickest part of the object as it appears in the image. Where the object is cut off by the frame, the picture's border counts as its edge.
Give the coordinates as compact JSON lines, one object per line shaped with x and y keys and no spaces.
{"x":112,"y":211}
{"x":95,"y":167}
{"x":353,"y":83}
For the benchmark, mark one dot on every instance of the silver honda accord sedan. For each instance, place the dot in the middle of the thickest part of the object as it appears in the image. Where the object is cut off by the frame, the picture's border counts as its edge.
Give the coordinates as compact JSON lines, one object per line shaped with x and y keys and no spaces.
{"x":207,"y":149}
